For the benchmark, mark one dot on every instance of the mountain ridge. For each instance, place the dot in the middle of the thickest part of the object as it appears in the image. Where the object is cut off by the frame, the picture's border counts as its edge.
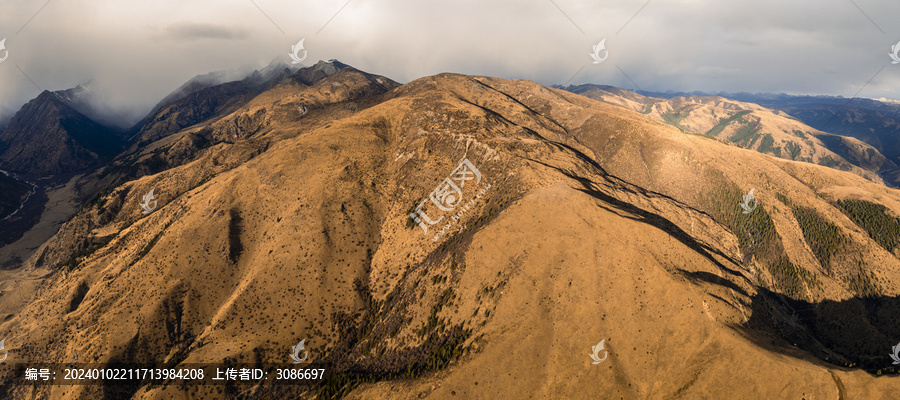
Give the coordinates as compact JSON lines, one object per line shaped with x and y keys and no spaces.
{"x":750,"y":125}
{"x":289,"y":213}
{"x":586,"y":221}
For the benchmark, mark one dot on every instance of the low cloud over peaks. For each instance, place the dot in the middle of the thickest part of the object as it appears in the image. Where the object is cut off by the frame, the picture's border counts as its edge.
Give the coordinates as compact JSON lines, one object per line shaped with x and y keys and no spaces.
{"x":137,"y":53}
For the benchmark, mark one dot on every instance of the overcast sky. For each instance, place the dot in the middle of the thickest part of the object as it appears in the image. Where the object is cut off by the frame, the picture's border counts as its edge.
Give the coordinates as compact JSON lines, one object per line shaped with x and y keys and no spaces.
{"x":136,"y":52}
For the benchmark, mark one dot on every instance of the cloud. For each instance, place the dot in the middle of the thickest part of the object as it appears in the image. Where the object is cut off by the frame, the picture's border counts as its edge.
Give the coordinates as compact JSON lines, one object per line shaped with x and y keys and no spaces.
{"x":717,"y":72}
{"x":138,"y":52}
{"x":188,"y":31}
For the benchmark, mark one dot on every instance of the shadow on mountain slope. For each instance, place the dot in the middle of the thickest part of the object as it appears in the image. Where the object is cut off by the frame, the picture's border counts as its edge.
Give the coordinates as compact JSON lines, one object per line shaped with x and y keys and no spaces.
{"x":858,"y":332}
{"x":853,"y":333}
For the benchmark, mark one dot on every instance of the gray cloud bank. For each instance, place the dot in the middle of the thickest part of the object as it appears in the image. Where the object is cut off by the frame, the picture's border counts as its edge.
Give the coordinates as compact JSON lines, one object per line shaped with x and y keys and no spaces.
{"x":135,"y":53}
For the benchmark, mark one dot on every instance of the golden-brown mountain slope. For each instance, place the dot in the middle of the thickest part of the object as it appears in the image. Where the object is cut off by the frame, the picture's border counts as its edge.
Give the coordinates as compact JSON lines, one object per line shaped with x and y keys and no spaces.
{"x":588,"y":222}
{"x":750,"y":126}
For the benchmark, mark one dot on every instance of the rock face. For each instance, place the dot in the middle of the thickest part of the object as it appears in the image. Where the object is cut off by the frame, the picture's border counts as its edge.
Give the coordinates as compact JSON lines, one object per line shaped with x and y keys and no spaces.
{"x":48,"y":136}
{"x":544,"y":222}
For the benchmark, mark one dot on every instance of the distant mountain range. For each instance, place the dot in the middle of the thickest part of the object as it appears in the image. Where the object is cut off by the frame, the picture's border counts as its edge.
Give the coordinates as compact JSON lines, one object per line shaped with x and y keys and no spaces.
{"x":860,"y":136}
{"x":874,"y":121}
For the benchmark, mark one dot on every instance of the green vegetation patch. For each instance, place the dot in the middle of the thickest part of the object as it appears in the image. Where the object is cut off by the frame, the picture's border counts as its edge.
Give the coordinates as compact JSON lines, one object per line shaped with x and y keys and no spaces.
{"x":722,"y":202}
{"x":756,"y":234}
{"x":861,"y":281}
{"x":747,"y":135}
{"x":793,"y":150}
{"x":146,"y":249}
{"x":831,"y":162}
{"x":823,"y":237}
{"x":871,"y":153}
{"x":788,"y":277}
{"x":874,"y":218}
{"x":800,"y":134}
{"x":648,"y":110}
{"x":767,"y":146}
{"x":720,"y":126}
{"x":674,"y":119}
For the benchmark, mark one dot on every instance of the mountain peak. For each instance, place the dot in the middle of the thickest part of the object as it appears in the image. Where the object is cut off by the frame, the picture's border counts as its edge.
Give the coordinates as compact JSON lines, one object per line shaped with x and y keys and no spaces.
{"x":53,"y":134}
{"x":78,"y":97}
{"x":318,"y":71}
{"x":328,"y":67}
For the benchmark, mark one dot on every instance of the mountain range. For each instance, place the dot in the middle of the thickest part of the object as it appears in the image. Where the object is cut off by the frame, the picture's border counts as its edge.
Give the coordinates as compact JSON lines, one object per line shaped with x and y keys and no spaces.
{"x":779,"y":125}
{"x":456,"y":235}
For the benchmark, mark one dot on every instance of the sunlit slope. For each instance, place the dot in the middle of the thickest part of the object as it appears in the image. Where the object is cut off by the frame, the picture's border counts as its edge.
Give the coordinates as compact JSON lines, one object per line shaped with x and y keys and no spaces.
{"x":588,"y":222}
{"x":751,"y":126}
{"x":561,"y":269}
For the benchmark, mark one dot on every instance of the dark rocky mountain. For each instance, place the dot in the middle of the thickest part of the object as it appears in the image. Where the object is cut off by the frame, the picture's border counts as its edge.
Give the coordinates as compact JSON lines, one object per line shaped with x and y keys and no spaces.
{"x":203,"y":81}
{"x":86,"y":101}
{"x":49,"y":136}
{"x":21,"y":206}
{"x":13,"y":192}
{"x":198,"y":83}
{"x":204,"y":97}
